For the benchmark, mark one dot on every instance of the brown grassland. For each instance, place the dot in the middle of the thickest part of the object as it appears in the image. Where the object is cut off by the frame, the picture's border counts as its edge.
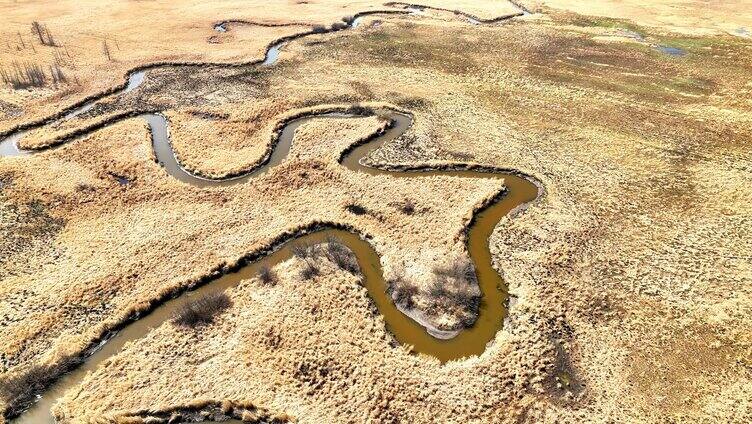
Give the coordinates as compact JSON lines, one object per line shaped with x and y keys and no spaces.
{"x":631,"y":276}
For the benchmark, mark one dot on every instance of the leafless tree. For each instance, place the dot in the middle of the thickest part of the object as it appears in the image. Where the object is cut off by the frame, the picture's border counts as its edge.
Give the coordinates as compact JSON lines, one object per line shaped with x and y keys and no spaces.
{"x":106,"y":50}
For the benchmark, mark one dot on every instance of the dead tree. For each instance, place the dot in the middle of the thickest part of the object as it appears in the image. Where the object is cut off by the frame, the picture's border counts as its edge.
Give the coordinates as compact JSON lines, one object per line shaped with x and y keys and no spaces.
{"x":36,"y":28}
{"x":43,"y":33}
{"x":50,"y":40}
{"x":30,"y":75}
{"x":106,"y":50}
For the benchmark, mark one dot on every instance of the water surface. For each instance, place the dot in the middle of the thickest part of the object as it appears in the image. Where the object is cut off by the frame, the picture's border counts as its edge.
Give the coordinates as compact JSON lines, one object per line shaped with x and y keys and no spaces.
{"x":673,"y":51}
{"x":468,"y":342}
{"x":471,"y":341}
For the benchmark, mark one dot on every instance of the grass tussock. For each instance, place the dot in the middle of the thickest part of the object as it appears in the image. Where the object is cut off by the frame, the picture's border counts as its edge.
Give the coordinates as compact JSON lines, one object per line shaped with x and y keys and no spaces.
{"x":201,"y":311}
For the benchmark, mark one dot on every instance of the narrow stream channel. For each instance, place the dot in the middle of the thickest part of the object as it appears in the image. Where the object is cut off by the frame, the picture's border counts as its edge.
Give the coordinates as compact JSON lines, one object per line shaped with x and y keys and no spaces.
{"x":471,"y":341}
{"x":468,"y":342}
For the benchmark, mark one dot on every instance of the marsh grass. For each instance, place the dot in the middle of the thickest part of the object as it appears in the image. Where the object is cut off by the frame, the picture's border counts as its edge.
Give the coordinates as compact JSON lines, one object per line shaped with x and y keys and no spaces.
{"x":17,"y":392}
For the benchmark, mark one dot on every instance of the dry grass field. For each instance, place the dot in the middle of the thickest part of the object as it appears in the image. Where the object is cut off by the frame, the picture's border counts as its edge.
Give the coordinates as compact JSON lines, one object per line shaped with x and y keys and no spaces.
{"x":630,"y":277}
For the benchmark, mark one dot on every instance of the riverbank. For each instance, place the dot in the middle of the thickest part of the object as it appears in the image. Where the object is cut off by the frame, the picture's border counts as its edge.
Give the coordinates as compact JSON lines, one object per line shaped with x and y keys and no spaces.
{"x":629,"y":283}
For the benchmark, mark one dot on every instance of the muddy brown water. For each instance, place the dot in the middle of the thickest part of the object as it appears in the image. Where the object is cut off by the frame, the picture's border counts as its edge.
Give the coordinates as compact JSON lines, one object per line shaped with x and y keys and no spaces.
{"x":471,"y":341}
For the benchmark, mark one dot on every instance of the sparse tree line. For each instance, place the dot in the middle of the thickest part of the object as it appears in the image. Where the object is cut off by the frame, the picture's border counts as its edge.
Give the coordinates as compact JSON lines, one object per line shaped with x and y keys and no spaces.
{"x":31,"y":74}
{"x":28,"y":74}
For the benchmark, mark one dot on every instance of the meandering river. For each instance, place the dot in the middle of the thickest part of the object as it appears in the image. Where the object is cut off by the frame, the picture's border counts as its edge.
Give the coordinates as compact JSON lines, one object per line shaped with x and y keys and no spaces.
{"x":520,"y":191}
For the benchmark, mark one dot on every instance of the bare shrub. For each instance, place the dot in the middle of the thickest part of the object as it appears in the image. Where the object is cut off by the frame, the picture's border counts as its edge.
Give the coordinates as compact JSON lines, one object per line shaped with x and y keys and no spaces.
{"x":408,"y":207}
{"x":454,"y":286}
{"x":267,"y":276}
{"x":437,"y":289}
{"x":303,"y":250}
{"x":299,"y":250}
{"x":337,"y":26}
{"x":460,"y":271}
{"x":309,"y":253}
{"x":341,"y":255}
{"x":201,"y":311}
{"x":402,"y":291}
{"x":309,"y":271}
{"x":383,"y":115}
{"x":356,"y":209}
{"x":318,"y":29}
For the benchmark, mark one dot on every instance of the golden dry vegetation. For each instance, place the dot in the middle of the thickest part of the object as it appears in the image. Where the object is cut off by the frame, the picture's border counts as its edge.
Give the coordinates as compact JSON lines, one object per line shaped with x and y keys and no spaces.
{"x":691,"y":17}
{"x":631,"y":276}
{"x":93,"y":43}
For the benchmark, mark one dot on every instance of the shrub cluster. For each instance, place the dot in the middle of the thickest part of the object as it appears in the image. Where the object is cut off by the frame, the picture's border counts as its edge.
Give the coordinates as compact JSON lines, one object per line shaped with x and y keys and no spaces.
{"x":201,"y":311}
{"x":402,"y":291}
{"x":267,"y":276}
{"x":356,"y":209}
{"x":341,"y":255}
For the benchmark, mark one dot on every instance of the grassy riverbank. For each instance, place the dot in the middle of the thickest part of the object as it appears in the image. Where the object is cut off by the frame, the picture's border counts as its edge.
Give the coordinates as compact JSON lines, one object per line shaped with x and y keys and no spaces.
{"x":630,"y":279}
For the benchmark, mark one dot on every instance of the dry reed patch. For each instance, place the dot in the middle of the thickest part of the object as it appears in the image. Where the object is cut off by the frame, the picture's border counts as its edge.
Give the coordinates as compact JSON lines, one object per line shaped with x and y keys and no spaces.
{"x":201,"y":311}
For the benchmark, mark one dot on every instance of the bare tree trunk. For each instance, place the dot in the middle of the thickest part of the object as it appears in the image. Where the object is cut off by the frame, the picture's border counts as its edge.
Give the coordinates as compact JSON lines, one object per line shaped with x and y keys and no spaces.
{"x":36,"y":28}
